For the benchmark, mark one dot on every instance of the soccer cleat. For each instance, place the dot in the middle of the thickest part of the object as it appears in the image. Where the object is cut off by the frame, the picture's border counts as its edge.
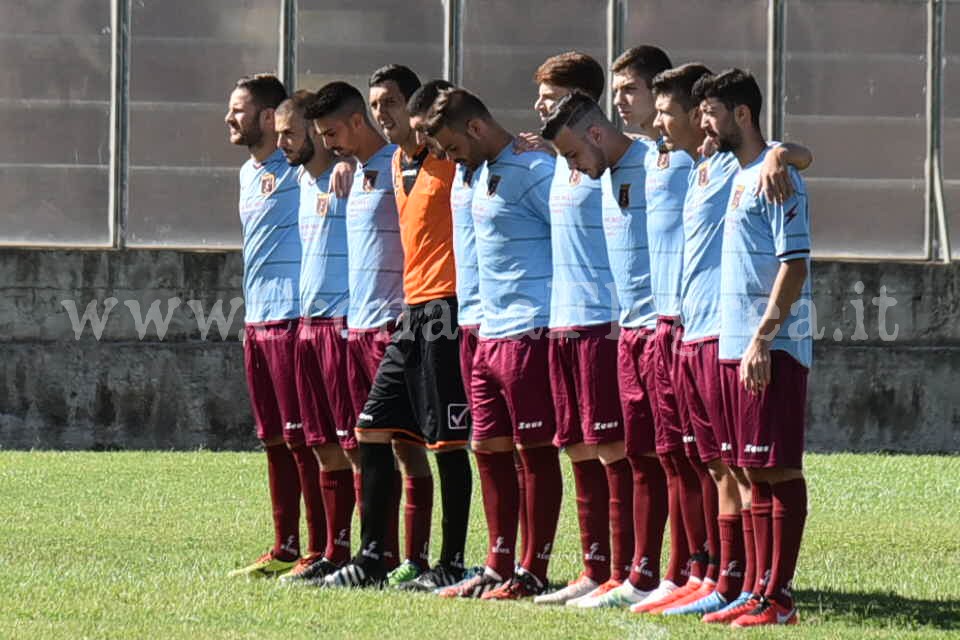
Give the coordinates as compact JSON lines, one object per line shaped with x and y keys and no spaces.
{"x":473,"y":587}
{"x":407,"y":571}
{"x":266,"y":566}
{"x":609,"y":585}
{"x":768,"y":612}
{"x":622,"y":596}
{"x":745,"y":603}
{"x":523,"y":584}
{"x":656,"y":607}
{"x":706,"y":588}
{"x":309,"y":570}
{"x":354,"y":575}
{"x":439,"y":576}
{"x":701,"y":607}
{"x":664,"y":590}
{"x":574,"y":589}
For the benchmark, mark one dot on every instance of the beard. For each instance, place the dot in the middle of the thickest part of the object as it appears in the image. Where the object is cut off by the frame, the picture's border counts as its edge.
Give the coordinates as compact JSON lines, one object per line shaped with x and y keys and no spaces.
{"x":252,"y":135}
{"x":303,"y":155}
{"x":729,"y":142}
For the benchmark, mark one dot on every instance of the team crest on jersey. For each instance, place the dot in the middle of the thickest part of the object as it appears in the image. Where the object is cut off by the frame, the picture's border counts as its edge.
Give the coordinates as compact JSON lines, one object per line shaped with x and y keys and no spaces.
{"x":370,"y":180}
{"x":623,"y":198}
{"x":736,"y":197}
{"x":703,"y":176}
{"x":268,"y":182}
{"x":323,"y":203}
{"x":574,"y":177}
{"x":492,"y":183}
{"x":663,"y":160}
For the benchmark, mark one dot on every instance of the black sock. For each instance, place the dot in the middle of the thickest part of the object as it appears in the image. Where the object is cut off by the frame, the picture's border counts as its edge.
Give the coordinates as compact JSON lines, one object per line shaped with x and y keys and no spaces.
{"x":456,"y":486}
{"x":377,"y":475}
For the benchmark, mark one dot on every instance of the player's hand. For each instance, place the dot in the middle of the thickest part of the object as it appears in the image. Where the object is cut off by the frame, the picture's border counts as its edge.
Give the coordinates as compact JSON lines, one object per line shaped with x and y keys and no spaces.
{"x":341,"y":178}
{"x":708,"y":148}
{"x":531,"y":142}
{"x":775,"y":183}
{"x":755,"y":366}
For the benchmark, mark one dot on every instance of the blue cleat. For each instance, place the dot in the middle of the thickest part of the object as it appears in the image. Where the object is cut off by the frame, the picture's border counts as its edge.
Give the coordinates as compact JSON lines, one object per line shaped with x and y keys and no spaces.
{"x":701,"y":607}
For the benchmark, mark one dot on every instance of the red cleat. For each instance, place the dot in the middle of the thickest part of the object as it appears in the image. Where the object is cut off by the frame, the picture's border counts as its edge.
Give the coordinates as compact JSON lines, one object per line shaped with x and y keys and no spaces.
{"x":693,"y":584}
{"x":769,"y":612}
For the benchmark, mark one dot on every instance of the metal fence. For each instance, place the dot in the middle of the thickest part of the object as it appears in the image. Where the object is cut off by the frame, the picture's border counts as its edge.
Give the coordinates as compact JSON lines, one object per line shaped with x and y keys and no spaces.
{"x":114,"y":107}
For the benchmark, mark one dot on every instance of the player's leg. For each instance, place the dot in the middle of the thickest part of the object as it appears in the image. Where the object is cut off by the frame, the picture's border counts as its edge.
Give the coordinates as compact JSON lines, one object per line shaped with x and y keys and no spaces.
{"x":418,"y":507}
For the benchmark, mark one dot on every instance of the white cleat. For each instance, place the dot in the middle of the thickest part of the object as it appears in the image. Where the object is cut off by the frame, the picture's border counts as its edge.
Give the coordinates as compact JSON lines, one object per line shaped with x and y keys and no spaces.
{"x":623,"y":596}
{"x":664,"y":589}
{"x":576,"y":589}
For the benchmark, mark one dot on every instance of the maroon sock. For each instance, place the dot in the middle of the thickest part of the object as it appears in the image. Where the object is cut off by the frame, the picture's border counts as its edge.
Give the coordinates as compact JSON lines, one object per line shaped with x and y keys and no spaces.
{"x":691,"y":505}
{"x":649,"y":519}
{"x":761,"y":508}
{"x":620,"y":486}
{"x":358,"y":489}
{"x":677,"y":569}
{"x":732,"y":560}
{"x":749,"y":550}
{"x":711,"y":513}
{"x":521,"y":504}
{"x":308,"y":470}
{"x":593,"y":514}
{"x":417,"y":513}
{"x":391,"y":541}
{"x":338,"y":502}
{"x":500,"y":488}
{"x":285,"y":499}
{"x":544,"y":491}
{"x":789,"y":517}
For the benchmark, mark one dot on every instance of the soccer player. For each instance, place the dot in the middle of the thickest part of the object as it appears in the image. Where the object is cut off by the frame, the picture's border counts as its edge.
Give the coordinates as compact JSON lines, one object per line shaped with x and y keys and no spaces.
{"x":321,"y":346}
{"x":765,"y":346}
{"x":591,"y":144}
{"x":510,"y":372}
{"x":375,"y":259}
{"x":679,"y":120}
{"x":418,"y":392}
{"x":269,"y":201}
{"x":583,"y":352}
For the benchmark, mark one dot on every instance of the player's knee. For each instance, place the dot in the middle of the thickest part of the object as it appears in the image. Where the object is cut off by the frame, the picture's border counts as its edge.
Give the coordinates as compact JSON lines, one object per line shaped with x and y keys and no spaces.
{"x":273,"y":442}
{"x":493,"y":445}
{"x":331,"y":457}
{"x":610,"y":452}
{"x":581,"y":451}
{"x":412,"y":459}
{"x":374,"y":437}
{"x":720,"y":472}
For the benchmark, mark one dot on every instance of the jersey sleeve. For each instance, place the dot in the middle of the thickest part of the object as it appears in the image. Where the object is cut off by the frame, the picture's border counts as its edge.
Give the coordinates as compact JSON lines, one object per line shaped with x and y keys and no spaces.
{"x":790,"y":223}
{"x":537,"y":197}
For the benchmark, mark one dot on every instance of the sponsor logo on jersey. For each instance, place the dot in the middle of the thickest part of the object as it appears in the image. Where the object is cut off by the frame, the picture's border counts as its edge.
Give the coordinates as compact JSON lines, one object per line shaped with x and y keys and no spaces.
{"x":458,"y":416}
{"x":663,"y":160}
{"x":703,"y":175}
{"x":492,"y":183}
{"x":268,"y":182}
{"x":574,"y":177}
{"x":323,"y":203}
{"x":736,"y":197}
{"x":370,"y":179}
{"x":623,"y":198}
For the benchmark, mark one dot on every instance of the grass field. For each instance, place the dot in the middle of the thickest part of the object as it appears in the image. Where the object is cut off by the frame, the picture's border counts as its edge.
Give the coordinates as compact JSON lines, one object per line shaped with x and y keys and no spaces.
{"x":137,"y":545}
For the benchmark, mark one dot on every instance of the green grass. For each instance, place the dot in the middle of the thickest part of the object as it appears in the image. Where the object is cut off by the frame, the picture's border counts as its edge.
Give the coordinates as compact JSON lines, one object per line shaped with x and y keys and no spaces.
{"x":137,"y":545}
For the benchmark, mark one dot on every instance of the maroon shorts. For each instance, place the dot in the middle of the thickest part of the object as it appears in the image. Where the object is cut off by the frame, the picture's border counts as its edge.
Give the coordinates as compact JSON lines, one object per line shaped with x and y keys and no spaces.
{"x":365,"y":349}
{"x":583,"y":375}
{"x":268,"y":354}
{"x":510,"y":390}
{"x":325,"y":403}
{"x":469,"y":338}
{"x":670,"y":415}
{"x":700,"y":380}
{"x":635,"y":366}
{"x":768,"y":427}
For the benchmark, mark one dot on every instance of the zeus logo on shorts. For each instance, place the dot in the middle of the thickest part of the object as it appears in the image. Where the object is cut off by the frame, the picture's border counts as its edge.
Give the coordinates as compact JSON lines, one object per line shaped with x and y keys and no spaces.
{"x":756,"y":448}
{"x":458,"y":416}
{"x":605,"y":426}
{"x":293,"y":426}
{"x":533,"y":424}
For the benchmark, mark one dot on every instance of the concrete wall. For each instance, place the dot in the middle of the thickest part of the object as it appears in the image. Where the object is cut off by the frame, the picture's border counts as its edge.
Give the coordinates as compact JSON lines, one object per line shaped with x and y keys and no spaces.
{"x":132,"y":390}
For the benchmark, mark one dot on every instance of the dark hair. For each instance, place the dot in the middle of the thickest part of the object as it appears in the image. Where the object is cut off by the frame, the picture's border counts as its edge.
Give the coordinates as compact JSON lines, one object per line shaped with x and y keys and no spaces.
{"x":732,"y":88}
{"x":423,"y":98}
{"x":405,"y":78}
{"x":265,"y":89}
{"x":570,"y":111}
{"x":678,"y":83}
{"x":573,"y":70}
{"x":297,"y":103}
{"x":645,"y":61}
{"x":453,"y":109}
{"x":335,"y":98}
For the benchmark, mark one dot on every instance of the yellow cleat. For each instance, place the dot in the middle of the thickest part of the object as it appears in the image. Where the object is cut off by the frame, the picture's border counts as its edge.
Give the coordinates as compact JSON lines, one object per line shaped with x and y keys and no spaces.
{"x":266,"y":566}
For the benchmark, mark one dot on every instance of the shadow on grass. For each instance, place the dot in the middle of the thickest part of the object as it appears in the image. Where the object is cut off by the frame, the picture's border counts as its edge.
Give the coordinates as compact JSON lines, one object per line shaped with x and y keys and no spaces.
{"x":880,"y":609}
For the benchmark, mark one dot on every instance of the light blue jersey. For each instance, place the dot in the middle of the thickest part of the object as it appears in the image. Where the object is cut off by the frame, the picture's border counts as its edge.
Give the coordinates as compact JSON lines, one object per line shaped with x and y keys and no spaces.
{"x":758,"y":237}
{"x":511,"y":215}
{"x":625,"y":226}
{"x":323,"y":235}
{"x":374,"y":249}
{"x":269,"y":200}
{"x":583,"y":292}
{"x":465,"y":248}
{"x":667,"y":175}
{"x":703,"y":211}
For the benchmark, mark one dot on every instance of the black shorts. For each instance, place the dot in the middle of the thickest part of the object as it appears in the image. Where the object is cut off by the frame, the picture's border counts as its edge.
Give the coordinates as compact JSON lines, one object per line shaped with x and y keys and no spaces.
{"x":418,"y":391}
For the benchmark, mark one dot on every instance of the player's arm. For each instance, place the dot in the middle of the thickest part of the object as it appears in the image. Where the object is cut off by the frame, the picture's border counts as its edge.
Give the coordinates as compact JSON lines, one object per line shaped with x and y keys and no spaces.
{"x":775,"y":183}
{"x":341,"y":178}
